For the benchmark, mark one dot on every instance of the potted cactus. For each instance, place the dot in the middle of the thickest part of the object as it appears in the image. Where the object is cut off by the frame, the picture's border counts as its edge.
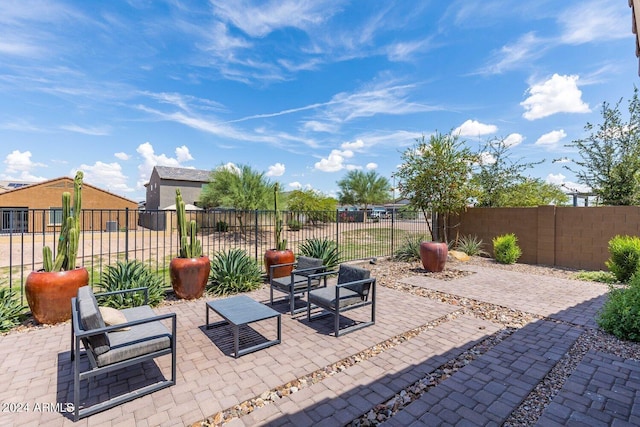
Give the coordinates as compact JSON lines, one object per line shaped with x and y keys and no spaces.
{"x":190,"y":270}
{"x":280,"y":254}
{"x":49,"y":291}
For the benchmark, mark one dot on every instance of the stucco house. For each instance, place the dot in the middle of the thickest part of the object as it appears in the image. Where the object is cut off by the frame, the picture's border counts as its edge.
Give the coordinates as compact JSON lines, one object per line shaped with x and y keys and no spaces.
{"x":38,"y":207}
{"x":161,"y":188}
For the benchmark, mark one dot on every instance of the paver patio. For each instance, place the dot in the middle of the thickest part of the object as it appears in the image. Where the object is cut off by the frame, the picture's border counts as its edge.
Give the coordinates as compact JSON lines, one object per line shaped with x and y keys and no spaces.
{"x":35,"y":368}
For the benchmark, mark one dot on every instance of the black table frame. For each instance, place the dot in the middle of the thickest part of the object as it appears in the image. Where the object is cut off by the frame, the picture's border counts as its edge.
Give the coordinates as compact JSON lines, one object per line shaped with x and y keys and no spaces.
{"x":241,"y":310}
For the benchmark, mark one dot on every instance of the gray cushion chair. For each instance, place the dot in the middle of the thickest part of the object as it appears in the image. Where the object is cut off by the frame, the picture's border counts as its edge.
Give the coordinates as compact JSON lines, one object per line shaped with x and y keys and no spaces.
{"x":109,"y":348}
{"x":298,"y":282}
{"x":354,"y":289}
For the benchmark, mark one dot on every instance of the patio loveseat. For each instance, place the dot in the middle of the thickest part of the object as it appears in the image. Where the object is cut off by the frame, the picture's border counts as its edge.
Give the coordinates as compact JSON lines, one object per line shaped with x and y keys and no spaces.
{"x":141,"y":337}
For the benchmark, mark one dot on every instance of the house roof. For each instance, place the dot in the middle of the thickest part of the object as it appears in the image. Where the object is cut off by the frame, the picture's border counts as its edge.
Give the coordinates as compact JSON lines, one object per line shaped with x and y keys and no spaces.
{"x":64,"y":178}
{"x":183,"y":174}
{"x":635,"y":24}
{"x":12,"y":185}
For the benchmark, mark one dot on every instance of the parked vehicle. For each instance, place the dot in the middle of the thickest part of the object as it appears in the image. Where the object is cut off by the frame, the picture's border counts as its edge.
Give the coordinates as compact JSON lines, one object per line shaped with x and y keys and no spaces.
{"x":380,"y":213}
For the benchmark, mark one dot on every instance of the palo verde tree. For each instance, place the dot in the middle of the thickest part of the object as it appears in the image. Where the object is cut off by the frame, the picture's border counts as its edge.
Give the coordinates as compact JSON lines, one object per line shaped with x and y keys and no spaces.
{"x":533,"y":192}
{"x":435,"y":177}
{"x":497,"y":175}
{"x":609,"y":158}
{"x":317,"y":206}
{"x":360,"y":188}
{"x":238,"y":187}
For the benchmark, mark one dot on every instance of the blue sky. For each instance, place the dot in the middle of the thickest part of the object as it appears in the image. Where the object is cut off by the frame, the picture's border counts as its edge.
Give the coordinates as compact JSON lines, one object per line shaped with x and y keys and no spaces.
{"x":304,"y":91}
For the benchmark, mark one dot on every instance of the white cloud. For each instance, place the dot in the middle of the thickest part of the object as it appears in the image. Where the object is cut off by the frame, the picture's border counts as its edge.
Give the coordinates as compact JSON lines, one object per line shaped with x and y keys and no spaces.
{"x":335,"y":161}
{"x":487,"y":158}
{"x":94,"y":131}
{"x":316,"y":126}
{"x":295,"y":185}
{"x":276,"y":170}
{"x":594,"y":21}
{"x":19,"y":167}
{"x":551,"y":139}
{"x":515,"y":55}
{"x":122,"y":156}
{"x":474,"y":128}
{"x":560,"y":179}
{"x":151,"y":159}
{"x":107,"y":176}
{"x":230,"y":167}
{"x":513,"y":139}
{"x":356,"y":145}
{"x":559,"y":94}
{"x":371,"y":166}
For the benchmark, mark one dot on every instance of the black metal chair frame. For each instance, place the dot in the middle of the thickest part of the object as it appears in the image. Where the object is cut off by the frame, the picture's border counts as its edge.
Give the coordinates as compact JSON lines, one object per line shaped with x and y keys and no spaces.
{"x":336,"y":310}
{"x":78,"y":335}
{"x":292,"y":292}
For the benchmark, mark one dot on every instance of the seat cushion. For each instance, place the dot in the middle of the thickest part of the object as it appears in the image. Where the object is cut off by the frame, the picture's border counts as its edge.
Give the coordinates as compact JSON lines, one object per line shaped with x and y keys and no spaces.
{"x":137,"y":341}
{"x":326,"y":297}
{"x":349,"y":273}
{"x":299,"y":283}
{"x":90,"y":318}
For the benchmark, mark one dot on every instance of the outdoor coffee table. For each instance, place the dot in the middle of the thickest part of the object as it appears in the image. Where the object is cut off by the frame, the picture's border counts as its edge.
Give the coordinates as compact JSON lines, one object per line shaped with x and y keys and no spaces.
{"x":241,"y":310}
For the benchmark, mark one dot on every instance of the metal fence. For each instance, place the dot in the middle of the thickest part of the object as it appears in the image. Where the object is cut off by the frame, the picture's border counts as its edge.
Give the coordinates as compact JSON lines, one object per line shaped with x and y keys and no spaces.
{"x":151,"y":236}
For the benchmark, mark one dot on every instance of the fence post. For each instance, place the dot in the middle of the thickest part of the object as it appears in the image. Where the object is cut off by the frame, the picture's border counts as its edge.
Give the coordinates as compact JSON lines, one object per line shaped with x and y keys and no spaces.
{"x":126,"y":234}
{"x":338,"y":229}
{"x":256,"y":234}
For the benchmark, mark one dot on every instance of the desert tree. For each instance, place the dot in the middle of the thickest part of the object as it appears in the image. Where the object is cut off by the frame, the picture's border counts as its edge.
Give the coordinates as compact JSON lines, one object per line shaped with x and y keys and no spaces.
{"x":363,"y":188}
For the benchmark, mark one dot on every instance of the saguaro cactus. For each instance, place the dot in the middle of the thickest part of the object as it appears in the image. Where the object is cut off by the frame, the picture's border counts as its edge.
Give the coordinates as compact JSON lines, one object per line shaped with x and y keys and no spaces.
{"x":281,"y":244}
{"x":69,"y":238}
{"x":190,"y":246}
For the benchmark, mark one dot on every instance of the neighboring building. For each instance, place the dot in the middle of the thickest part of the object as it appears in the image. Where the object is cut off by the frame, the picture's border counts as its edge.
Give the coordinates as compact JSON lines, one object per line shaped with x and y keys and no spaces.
{"x":161,"y":188}
{"x":38,"y":207}
{"x":635,"y":24}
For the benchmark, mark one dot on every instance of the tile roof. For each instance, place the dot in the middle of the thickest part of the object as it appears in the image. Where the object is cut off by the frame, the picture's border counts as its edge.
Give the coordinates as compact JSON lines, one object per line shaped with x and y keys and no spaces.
{"x":183,"y":174}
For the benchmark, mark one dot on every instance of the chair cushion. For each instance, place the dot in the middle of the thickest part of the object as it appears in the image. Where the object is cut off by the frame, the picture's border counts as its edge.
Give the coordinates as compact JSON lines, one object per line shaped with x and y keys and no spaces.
{"x":139,"y":340}
{"x":113,"y":316}
{"x":299,"y":283}
{"x":90,"y":318}
{"x":349,"y":273}
{"x":326,"y":297}
{"x":305,"y":262}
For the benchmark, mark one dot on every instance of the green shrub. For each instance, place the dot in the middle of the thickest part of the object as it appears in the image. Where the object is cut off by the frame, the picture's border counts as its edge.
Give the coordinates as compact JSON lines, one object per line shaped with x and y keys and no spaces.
{"x":222,"y":226}
{"x":232,"y":272}
{"x":11,"y":311}
{"x":471,"y":245}
{"x":506,"y":249}
{"x":620,"y":314}
{"x":597,"y":276}
{"x":325,"y":249}
{"x":294,"y":225}
{"x":410,"y":250}
{"x":128,"y":275}
{"x":625,"y":257}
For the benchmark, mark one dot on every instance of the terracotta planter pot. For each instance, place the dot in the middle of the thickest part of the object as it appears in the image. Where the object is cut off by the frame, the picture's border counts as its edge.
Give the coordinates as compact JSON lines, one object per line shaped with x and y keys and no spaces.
{"x":433,"y":256}
{"x":49,"y":293}
{"x":273,"y":257}
{"x":189,"y":276}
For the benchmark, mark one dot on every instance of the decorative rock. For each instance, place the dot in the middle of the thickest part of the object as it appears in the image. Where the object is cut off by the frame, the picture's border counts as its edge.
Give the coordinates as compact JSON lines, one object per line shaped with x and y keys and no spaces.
{"x":459,"y":255}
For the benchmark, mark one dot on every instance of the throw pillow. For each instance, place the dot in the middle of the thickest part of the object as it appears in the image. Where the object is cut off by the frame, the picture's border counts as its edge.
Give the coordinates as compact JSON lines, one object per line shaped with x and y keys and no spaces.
{"x":112,"y":316}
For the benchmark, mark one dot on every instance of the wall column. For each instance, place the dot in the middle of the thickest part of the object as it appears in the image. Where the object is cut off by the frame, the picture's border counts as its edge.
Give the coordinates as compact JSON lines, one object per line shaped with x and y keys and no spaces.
{"x":546,"y":250}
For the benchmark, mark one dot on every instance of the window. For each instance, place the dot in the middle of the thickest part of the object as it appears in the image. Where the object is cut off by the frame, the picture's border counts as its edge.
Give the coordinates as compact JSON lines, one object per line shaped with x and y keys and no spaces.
{"x":55,"y":216}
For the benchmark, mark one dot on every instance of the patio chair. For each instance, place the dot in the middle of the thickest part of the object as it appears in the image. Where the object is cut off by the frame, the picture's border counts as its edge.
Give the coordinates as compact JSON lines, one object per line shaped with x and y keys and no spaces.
{"x":354,"y":289}
{"x":138,"y":336}
{"x":298,"y":281}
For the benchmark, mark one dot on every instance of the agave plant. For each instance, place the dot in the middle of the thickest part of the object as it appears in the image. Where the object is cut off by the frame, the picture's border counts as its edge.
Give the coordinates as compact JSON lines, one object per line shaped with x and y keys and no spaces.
{"x":11,"y":311}
{"x":128,"y":275}
{"x":232,"y":272}
{"x":471,"y":245}
{"x":324,"y":249}
{"x":410,"y":249}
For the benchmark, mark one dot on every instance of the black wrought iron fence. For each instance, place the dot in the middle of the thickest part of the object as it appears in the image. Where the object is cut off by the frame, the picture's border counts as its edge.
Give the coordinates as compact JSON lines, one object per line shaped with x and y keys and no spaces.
{"x":151,"y":236}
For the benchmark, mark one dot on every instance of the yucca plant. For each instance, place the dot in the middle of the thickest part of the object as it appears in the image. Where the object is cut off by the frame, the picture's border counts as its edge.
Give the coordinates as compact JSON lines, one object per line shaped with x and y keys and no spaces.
{"x":11,"y":311}
{"x":410,"y":250}
{"x":324,"y":249}
{"x":232,"y":272}
{"x":471,"y":245}
{"x":128,"y":275}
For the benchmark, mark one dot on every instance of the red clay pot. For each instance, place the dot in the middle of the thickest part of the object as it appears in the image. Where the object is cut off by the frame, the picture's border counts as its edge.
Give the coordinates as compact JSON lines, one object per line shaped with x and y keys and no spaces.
{"x":273,"y":257}
{"x":189,"y":276}
{"x":49,"y":293}
{"x":433,"y":256}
